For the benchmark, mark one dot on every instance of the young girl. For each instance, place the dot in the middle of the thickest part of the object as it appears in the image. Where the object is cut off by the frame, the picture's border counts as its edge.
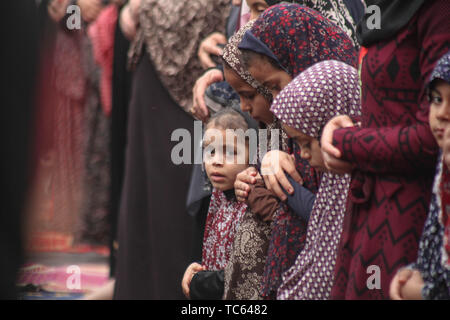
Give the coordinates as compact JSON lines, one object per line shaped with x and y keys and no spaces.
{"x":321,"y":92}
{"x":223,"y":160}
{"x":429,"y":277}
{"x":289,"y":224}
{"x":291,"y":53}
{"x":285,"y":40}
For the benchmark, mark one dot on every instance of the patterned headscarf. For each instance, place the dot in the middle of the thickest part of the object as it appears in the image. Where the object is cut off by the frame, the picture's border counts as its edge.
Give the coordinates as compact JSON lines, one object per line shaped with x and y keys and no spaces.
{"x":444,"y":216}
{"x":323,"y":91}
{"x":334,"y":10}
{"x":442,"y":71}
{"x":432,"y":259}
{"x":298,"y":37}
{"x":233,"y":58}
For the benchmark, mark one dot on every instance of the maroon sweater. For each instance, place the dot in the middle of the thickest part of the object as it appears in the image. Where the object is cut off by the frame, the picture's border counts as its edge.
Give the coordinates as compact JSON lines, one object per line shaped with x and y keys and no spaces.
{"x":395,"y":155}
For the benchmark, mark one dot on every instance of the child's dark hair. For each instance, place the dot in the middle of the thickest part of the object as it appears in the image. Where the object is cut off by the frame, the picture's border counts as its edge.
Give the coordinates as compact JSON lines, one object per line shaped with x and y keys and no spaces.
{"x":227,"y":118}
{"x":429,"y":89}
{"x":249,"y":56}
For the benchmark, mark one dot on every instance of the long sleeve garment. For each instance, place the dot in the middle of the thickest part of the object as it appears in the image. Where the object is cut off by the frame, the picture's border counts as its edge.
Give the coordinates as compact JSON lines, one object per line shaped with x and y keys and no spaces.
{"x":394,"y":152}
{"x":265,"y":203}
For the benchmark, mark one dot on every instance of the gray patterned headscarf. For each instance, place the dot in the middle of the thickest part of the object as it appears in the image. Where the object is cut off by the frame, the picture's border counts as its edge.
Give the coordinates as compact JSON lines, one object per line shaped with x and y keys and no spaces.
{"x":233,"y":58}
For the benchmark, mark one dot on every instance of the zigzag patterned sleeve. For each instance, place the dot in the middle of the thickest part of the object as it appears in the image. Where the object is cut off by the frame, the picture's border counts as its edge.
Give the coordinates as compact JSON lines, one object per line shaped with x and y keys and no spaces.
{"x":408,"y":146}
{"x":387,"y":150}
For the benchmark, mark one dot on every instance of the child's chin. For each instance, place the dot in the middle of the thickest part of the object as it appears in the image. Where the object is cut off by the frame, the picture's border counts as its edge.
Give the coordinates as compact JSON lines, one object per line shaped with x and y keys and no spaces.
{"x":221,"y":186}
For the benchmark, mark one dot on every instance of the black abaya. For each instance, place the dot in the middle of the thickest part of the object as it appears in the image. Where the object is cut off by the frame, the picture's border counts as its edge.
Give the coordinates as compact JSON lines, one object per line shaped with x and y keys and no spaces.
{"x":18,"y":60}
{"x":154,"y":231}
{"x":121,"y":84}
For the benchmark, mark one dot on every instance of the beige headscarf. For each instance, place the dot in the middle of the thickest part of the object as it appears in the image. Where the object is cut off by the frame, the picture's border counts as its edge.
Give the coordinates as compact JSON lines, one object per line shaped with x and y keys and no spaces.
{"x":171,"y":31}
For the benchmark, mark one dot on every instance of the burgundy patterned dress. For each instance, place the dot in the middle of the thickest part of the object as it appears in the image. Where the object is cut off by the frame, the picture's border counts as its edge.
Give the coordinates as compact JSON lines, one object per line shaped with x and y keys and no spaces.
{"x":395,"y":154}
{"x":224,"y":217}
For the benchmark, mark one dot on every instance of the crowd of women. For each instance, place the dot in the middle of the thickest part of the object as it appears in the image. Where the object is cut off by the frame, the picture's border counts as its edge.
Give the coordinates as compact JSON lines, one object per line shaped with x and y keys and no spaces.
{"x":349,"y":201}
{"x":370,"y":157}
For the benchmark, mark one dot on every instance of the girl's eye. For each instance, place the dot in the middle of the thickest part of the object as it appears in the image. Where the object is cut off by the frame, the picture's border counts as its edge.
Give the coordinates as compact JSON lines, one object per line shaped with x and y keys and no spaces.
{"x":304,"y":145}
{"x":260,"y":10}
{"x":247,"y":96}
{"x":275,"y":88}
{"x":231,"y":153}
{"x":209,"y":154}
{"x":436,"y":99}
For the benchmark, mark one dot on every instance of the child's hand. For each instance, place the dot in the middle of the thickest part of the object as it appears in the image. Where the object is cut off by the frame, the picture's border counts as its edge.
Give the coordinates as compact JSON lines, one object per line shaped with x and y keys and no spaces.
{"x":273,"y":166}
{"x":243,"y":181}
{"x":412,"y":290}
{"x":398,"y":282}
{"x":187,"y":278}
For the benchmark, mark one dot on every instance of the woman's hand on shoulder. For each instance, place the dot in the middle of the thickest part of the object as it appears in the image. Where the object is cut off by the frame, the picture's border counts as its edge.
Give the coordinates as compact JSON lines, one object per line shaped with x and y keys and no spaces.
{"x":199,"y":109}
{"x":209,"y":46}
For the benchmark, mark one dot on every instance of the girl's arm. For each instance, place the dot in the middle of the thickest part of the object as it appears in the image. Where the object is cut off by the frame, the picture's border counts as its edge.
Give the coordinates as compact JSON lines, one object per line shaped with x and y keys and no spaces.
{"x":411,"y":147}
{"x":262,"y":201}
{"x":265,"y":203}
{"x":301,"y":201}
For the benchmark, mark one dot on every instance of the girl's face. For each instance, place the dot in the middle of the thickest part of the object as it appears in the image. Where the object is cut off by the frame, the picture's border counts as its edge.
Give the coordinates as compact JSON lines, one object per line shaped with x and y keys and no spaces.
{"x":251,"y":100}
{"x":310,"y":148}
{"x":439,"y":117}
{"x":270,"y":77}
{"x":257,"y":7}
{"x":224,"y":157}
